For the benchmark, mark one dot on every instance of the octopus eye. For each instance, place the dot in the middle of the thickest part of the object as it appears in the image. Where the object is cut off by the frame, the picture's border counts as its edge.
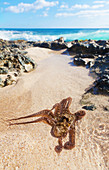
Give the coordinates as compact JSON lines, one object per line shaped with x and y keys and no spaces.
{"x":65,"y":118}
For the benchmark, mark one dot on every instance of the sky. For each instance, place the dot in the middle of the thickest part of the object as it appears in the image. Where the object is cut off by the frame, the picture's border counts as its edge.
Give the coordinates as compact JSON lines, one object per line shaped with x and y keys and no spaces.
{"x":54,"y":13}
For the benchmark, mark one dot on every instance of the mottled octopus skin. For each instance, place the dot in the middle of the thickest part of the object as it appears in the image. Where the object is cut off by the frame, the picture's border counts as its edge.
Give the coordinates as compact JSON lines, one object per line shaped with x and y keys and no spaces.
{"x":60,"y":119}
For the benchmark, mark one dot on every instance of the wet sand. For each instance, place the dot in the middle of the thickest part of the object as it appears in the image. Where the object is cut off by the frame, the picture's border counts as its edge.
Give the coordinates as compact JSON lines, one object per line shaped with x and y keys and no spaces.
{"x":32,"y":146}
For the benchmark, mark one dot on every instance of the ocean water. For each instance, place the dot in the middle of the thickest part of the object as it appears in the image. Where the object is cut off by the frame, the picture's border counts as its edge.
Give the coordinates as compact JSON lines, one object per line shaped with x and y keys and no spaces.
{"x":52,"y":34}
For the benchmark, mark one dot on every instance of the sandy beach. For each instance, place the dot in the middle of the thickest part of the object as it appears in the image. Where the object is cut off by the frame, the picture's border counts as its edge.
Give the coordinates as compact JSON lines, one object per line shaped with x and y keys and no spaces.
{"x":32,"y":146}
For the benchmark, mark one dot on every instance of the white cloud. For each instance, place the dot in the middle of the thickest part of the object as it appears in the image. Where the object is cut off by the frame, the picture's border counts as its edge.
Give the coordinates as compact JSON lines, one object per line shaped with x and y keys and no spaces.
{"x":85,"y":6}
{"x":24,"y":7}
{"x":85,"y":13}
{"x":80,"y":6}
{"x":65,"y":14}
{"x":92,"y":13}
{"x":97,"y":6}
{"x":20,"y":8}
{"x":76,"y":6}
{"x":63,"y":6}
{"x":6,"y":3}
{"x":99,"y":2}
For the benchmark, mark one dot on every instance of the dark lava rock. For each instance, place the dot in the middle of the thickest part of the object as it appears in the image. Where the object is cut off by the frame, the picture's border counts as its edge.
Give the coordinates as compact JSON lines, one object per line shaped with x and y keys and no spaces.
{"x":102,"y":83}
{"x":102,"y":42}
{"x":8,"y":81}
{"x":45,"y":45}
{"x":106,"y":108}
{"x":89,"y":48}
{"x":79,"y":61}
{"x":85,"y":56}
{"x":81,"y":48}
{"x":60,"y":40}
{"x":91,"y":107}
{"x":101,"y":65}
{"x":83,"y":60}
{"x":54,"y":45}
{"x":13,"y":61}
{"x":57,"y":46}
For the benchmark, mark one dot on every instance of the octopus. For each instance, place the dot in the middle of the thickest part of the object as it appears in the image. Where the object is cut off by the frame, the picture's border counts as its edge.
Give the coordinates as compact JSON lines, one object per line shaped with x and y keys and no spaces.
{"x":60,"y":119}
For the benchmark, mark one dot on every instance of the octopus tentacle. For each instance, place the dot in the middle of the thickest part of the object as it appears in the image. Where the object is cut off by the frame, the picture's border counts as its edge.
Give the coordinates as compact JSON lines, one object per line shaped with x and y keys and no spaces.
{"x":69,"y":99}
{"x":79,"y":115}
{"x":44,"y":119}
{"x":59,"y":147}
{"x":61,"y":120}
{"x":57,"y":109}
{"x":41,"y":113}
{"x":65,"y":103}
{"x":71,"y":143}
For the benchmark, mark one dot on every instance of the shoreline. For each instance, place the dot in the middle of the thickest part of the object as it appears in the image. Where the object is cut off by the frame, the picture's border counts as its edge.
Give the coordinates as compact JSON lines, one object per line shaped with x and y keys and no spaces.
{"x":87,"y":53}
{"x":53,"y":79}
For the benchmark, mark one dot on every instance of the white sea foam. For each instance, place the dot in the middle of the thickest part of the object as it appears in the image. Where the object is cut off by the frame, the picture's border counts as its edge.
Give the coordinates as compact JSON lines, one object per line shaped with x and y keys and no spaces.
{"x":34,"y":36}
{"x":26,"y":35}
{"x":102,"y":31}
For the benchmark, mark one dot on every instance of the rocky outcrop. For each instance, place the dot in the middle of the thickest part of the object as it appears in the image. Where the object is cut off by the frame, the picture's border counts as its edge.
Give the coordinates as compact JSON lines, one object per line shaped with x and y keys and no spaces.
{"x":54,"y":45}
{"x":84,"y":60}
{"x":89,"y":53}
{"x":13,"y":61}
{"x":60,"y":40}
{"x":57,"y":45}
{"x":101,"y":69}
{"x":89,"y":47}
{"x":79,"y":47}
{"x":101,"y":65}
{"x":98,"y":64}
{"x":102,"y":84}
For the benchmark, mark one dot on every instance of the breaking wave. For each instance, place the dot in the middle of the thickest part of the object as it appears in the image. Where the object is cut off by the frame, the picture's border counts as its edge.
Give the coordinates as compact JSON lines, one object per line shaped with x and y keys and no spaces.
{"x":52,"y":34}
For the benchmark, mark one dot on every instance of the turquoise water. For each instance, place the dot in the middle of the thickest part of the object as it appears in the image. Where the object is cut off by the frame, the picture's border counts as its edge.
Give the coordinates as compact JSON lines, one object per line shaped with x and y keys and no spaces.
{"x":52,"y":34}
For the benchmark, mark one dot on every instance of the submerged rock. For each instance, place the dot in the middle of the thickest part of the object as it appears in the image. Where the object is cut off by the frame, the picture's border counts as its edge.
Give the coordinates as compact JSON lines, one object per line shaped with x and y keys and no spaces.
{"x":90,"y":107}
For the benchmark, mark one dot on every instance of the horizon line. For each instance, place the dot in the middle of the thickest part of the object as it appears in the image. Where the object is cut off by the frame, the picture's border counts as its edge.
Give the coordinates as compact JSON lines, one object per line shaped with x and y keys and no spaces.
{"x":56,"y":28}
